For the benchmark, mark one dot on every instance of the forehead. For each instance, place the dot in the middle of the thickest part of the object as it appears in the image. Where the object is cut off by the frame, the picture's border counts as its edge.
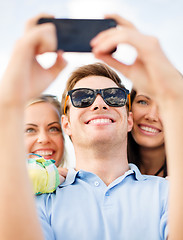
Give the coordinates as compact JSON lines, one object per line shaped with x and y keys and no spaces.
{"x":95,"y":82}
{"x":41,"y":111}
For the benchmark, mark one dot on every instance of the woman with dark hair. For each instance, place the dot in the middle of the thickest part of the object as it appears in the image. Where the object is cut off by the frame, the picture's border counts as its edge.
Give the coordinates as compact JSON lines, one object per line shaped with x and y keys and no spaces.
{"x":146,"y":146}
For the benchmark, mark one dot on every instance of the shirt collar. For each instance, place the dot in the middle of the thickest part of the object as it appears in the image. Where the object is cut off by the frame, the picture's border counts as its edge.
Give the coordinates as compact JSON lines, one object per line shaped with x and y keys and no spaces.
{"x":137,"y":173}
{"x":72,"y":173}
{"x":70,"y":178}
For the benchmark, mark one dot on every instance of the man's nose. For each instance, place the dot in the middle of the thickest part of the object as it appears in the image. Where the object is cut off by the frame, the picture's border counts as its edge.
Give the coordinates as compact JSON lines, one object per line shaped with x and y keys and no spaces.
{"x":99,"y":103}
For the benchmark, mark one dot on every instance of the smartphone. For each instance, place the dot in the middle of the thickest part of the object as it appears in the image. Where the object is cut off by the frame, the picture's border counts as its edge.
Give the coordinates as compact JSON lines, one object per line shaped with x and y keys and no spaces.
{"x":74,"y":35}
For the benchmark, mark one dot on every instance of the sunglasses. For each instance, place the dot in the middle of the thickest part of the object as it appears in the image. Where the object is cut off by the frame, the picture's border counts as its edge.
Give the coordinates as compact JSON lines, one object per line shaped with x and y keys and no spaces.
{"x":84,"y":97}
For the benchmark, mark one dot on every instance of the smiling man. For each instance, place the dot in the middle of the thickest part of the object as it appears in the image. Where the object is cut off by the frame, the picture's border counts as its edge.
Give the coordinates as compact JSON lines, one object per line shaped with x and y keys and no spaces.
{"x":103,"y":197}
{"x":100,"y":119}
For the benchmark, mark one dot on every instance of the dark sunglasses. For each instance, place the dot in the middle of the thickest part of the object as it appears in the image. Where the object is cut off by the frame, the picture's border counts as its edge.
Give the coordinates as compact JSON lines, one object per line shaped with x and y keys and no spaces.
{"x":84,"y":97}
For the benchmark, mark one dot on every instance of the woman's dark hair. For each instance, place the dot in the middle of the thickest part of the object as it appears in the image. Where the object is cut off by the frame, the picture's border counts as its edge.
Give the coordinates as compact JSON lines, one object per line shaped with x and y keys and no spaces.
{"x":133,"y":149}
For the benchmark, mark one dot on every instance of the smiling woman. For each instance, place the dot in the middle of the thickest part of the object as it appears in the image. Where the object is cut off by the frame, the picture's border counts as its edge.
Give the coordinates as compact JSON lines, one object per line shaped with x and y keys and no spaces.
{"x":43,"y":133}
{"x":146,"y":146}
{"x":44,"y":143}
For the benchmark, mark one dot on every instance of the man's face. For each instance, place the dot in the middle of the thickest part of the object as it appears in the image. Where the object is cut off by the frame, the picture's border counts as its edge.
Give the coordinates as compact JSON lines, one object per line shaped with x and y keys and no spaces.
{"x":98,"y":123}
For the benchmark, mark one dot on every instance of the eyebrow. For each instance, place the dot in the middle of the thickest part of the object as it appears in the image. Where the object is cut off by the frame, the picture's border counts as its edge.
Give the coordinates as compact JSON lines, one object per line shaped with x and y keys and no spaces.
{"x":141,"y":95}
{"x":31,"y":124}
{"x":34,"y":125}
{"x":53,"y":123}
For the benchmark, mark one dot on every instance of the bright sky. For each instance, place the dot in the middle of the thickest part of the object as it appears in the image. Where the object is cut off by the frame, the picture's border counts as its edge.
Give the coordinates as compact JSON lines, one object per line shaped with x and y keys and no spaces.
{"x":161,"y":18}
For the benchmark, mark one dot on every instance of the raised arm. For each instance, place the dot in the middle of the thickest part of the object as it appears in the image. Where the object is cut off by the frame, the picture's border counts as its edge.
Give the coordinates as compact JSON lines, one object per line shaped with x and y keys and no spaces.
{"x":152,"y":72}
{"x":24,"y":78}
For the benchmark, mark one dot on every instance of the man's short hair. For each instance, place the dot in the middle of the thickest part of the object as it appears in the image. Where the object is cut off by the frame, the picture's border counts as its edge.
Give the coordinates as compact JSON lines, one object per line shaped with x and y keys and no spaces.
{"x":96,"y":69}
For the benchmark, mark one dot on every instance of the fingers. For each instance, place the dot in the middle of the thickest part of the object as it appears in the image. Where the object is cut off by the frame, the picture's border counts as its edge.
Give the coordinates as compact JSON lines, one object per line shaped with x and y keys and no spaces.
{"x":43,"y":36}
{"x":105,"y":41}
{"x":129,"y":71}
{"x":62,"y":171}
{"x":108,"y":40}
{"x":120,"y":20}
{"x":41,"y":39}
{"x":59,"y":65}
{"x":61,"y":178}
{"x":33,"y":21}
{"x":108,"y":59}
{"x":113,"y":36}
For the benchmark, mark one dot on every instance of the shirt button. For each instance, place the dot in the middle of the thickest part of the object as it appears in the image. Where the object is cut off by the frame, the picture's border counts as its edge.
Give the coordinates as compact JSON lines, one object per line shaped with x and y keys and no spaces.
{"x":96,"y":183}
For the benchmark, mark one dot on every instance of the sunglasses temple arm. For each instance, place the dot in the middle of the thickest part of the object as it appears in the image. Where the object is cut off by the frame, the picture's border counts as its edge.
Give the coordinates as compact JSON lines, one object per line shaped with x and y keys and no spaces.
{"x":65,"y":104}
{"x":129,"y":102}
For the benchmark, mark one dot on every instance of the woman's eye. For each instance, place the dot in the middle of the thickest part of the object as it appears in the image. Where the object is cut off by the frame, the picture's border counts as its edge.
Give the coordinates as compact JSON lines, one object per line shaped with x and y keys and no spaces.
{"x":143,"y":102}
{"x":30,"y":130}
{"x":54,"y":129}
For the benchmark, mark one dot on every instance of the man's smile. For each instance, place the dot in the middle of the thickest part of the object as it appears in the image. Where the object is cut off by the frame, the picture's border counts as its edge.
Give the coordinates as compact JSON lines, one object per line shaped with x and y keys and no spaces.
{"x":102,"y":120}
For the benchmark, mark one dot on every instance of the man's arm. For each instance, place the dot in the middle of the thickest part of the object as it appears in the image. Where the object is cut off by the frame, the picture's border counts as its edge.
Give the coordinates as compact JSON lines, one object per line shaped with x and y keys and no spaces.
{"x":152,"y":72}
{"x":23,"y":80}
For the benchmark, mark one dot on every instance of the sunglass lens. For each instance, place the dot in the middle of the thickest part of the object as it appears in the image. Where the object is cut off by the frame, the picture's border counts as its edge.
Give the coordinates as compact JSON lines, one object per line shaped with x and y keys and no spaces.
{"x":115,"y":97}
{"x":82,"y":97}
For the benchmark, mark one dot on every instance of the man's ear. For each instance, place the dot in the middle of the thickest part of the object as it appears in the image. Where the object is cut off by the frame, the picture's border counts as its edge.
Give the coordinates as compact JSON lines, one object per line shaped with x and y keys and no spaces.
{"x":66,"y":124}
{"x":130,"y":121}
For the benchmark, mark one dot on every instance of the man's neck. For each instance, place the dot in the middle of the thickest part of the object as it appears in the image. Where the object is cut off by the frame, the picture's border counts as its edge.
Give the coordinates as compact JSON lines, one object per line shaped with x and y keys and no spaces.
{"x":108,"y":164}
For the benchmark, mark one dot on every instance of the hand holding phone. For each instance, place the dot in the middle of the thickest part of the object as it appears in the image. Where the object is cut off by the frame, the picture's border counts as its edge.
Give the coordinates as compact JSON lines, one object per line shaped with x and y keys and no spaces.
{"x":74,"y":35}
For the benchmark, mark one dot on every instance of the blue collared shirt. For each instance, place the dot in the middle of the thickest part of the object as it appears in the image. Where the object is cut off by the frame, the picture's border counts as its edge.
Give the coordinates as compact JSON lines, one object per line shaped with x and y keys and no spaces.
{"x":133,"y":207}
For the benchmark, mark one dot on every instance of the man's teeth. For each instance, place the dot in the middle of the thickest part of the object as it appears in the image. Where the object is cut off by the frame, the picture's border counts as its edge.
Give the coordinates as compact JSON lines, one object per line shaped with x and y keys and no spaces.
{"x":100,"y":120}
{"x":44,"y":153}
{"x":148,"y":129}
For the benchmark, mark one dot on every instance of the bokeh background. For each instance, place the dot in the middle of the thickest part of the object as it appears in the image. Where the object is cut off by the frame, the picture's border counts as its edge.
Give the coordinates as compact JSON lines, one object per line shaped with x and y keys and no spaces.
{"x":161,"y":18}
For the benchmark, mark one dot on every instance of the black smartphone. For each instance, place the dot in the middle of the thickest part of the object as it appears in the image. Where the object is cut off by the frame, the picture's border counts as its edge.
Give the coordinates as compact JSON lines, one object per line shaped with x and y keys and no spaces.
{"x":74,"y":35}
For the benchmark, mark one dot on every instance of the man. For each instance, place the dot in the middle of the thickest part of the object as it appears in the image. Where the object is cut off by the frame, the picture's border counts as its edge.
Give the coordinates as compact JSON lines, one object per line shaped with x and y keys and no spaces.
{"x":103,"y":198}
